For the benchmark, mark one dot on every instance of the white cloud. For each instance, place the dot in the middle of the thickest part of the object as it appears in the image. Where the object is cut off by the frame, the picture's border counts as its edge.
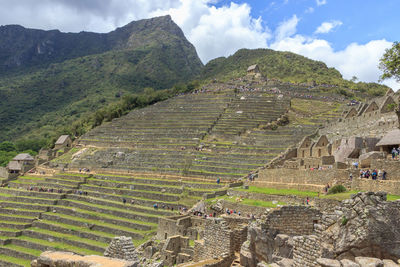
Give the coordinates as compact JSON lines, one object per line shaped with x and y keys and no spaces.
{"x":321,"y":2}
{"x":219,"y":31}
{"x":359,"y":60}
{"x":309,"y":10}
{"x":287,"y":28}
{"x":327,"y":27}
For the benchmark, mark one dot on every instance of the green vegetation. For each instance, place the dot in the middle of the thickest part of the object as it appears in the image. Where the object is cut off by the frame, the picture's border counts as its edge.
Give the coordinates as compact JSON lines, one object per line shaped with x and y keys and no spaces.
{"x":25,"y":263}
{"x":390,"y":62}
{"x":272,"y":191}
{"x":337,"y":189}
{"x":88,"y":72}
{"x":294,"y":192}
{"x":287,"y":67}
{"x":344,"y":220}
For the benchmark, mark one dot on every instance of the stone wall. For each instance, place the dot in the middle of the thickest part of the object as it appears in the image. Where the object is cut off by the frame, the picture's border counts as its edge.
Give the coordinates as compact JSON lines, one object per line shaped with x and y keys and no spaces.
{"x":218,"y":239}
{"x":361,"y":184}
{"x":292,"y":220}
{"x":306,"y":251}
{"x":173,"y":250}
{"x":308,"y":180}
{"x":390,"y":166}
{"x":5,"y":174}
{"x":369,"y":124}
{"x":172,"y":226}
{"x":315,"y":180}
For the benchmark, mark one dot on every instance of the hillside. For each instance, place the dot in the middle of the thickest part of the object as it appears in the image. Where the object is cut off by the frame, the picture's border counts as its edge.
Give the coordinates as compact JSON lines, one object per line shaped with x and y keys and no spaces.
{"x":287,"y":67}
{"x":49,"y":79}
{"x":218,"y":132}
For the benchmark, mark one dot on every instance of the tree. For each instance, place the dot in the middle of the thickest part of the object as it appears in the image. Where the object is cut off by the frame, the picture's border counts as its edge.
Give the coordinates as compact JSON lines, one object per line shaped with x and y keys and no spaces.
{"x":390,"y":62}
{"x":354,"y":79}
{"x":7,"y":146}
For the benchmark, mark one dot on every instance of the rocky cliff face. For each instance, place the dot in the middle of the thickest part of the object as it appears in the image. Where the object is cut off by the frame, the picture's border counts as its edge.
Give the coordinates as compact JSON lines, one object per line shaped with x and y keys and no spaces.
{"x":365,"y":225}
{"x":21,"y":47}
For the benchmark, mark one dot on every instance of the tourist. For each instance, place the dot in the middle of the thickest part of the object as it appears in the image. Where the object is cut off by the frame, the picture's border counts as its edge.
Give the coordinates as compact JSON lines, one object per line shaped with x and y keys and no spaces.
{"x":218,"y":180}
{"x":374,"y":174}
{"x":351,"y":176}
{"x":384,"y":175}
{"x":132,"y":202}
{"x":379,"y":174}
{"x":155,"y":206}
{"x":124,"y":201}
{"x":355,"y":165}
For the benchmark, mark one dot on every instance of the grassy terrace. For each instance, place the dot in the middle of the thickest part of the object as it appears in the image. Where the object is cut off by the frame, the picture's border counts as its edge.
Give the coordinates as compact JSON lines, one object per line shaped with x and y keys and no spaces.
{"x":34,"y":221}
{"x":284,"y":192}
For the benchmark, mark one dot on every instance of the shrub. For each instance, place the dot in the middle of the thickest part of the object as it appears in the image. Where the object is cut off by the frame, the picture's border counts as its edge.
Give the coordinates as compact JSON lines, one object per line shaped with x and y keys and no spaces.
{"x":337,"y":189}
{"x":344,"y":220}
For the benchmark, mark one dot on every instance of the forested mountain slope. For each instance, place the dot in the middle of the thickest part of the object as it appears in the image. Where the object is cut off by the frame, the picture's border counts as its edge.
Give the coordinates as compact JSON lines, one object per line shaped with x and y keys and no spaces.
{"x":49,"y":79}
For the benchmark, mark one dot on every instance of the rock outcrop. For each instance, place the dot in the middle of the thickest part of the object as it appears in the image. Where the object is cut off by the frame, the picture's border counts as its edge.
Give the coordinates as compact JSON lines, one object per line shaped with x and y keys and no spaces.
{"x":365,"y":225}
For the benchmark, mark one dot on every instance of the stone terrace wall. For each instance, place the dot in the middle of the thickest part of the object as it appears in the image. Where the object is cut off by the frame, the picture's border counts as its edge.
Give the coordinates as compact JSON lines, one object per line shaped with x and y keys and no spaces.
{"x":309,"y":180}
{"x":218,"y":239}
{"x":292,"y":220}
{"x":316,"y":180}
{"x":391,"y":187}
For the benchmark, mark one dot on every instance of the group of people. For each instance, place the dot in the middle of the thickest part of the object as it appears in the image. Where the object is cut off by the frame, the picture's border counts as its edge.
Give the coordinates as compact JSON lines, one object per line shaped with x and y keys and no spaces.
{"x":43,"y":189}
{"x":395,"y":153}
{"x":374,"y":174}
{"x":80,"y":192}
{"x":83,"y":170}
{"x":251,"y":177}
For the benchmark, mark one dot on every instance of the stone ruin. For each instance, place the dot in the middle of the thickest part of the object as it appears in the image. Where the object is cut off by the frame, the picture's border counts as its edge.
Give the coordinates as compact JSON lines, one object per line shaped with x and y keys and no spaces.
{"x":121,"y":247}
{"x":361,"y":231}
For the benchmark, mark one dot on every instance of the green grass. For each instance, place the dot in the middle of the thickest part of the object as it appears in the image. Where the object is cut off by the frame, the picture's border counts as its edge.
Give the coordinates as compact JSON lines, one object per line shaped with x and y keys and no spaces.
{"x":273,"y":191}
{"x":258,"y":203}
{"x":283,"y":192}
{"x":25,"y":263}
{"x":100,"y":223}
{"x":60,"y":246}
{"x":77,"y":228}
{"x":111,"y":208}
{"x":31,"y":251}
{"x":67,"y":236}
{"x":392,"y":197}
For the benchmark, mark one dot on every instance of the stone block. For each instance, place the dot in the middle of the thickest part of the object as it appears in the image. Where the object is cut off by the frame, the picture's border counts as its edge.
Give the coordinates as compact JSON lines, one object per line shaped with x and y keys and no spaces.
{"x":348,"y":263}
{"x":389,"y":263}
{"x":369,"y":262}
{"x":328,"y":262}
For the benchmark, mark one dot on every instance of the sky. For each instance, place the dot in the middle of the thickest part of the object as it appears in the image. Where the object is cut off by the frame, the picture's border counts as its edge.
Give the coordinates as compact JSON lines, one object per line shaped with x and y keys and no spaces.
{"x":350,"y":35}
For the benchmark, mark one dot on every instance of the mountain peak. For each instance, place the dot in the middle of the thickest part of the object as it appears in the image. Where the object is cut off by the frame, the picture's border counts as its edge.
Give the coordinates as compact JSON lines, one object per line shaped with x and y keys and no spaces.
{"x":22,"y":47}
